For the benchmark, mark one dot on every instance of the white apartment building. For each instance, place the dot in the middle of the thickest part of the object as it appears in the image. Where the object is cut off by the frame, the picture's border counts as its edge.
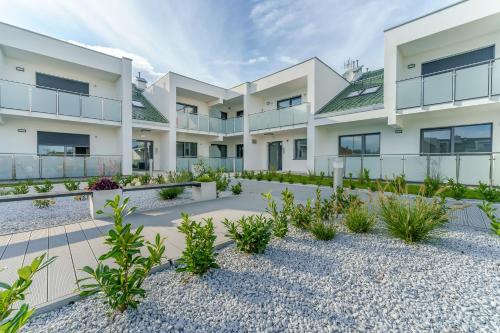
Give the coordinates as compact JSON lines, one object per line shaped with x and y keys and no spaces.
{"x":66,"y":111}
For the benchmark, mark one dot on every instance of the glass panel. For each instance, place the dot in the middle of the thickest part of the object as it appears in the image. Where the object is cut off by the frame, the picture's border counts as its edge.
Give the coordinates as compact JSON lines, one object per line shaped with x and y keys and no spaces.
{"x":346,"y":145}
{"x":74,"y":166}
{"x":5,"y":167}
{"x":408,"y":93}
{"x":444,"y":166}
{"x":300,"y":113}
{"x":372,"y":164}
{"x":471,"y":82}
{"x":94,"y":167}
{"x":238,"y":124}
{"x":416,"y":168}
{"x":272,"y":119}
{"x":43,"y":100}
{"x":495,"y":78}
{"x":112,"y":110}
{"x":476,"y":138}
{"x":69,"y":104}
{"x":300,"y":152}
{"x":111,"y":165}
{"x":286,"y":117}
{"x":52,"y":166}
{"x":436,"y":141}
{"x":27,"y":167}
{"x":474,"y":168}
{"x":322,"y":164}
{"x":372,"y":144}
{"x":181,"y":120}
{"x":438,"y":88}
{"x":14,"y":95}
{"x":352,"y":166}
{"x":392,"y":165}
{"x":91,"y":107}
{"x":50,"y":150}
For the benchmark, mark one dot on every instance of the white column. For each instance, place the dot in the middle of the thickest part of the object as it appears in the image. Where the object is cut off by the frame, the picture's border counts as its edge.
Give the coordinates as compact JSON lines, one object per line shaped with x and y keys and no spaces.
{"x":125,"y":88}
{"x":311,"y":130}
{"x":251,"y":156}
{"x":172,"y":134}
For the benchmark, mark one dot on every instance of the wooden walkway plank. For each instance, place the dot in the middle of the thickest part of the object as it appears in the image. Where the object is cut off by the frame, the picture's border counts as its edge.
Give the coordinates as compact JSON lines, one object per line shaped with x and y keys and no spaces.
{"x":80,"y":250}
{"x":61,"y":274}
{"x":38,"y":245}
{"x":4,"y":242}
{"x":94,"y":237}
{"x":13,"y":256}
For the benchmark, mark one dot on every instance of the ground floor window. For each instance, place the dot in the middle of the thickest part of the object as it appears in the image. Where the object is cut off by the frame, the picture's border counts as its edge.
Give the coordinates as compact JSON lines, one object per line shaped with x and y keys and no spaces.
{"x":142,"y":153}
{"x":361,"y":144}
{"x":187,"y":149}
{"x":63,"y":144}
{"x":239,"y":151}
{"x":457,"y":139}
{"x":300,"y":149}
{"x":218,"y":151}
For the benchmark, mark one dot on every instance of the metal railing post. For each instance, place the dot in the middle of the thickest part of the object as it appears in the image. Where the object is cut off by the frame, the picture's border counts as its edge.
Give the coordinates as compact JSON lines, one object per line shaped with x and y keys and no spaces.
{"x":102,"y":109}
{"x":64,"y":166}
{"x":421,"y":91}
{"x":85,"y":166}
{"x":490,"y":78}
{"x":40,"y":166}
{"x":57,"y":102}
{"x":30,"y":98}
{"x":453,"y":85}
{"x":381,"y":166}
{"x":492,"y":159}
{"x":457,"y":172}
{"x":362,"y":166}
{"x":428,"y":171}
{"x":13,"y":166}
{"x":403,"y":159}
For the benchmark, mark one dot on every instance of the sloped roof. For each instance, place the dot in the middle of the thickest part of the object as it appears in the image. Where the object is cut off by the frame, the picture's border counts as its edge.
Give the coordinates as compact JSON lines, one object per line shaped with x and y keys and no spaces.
{"x":342,"y":102}
{"x":148,"y":112}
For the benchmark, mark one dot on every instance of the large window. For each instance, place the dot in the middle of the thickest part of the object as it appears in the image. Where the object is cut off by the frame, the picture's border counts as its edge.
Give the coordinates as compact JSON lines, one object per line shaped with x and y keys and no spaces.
{"x":64,"y":144}
{"x":187,"y":149}
{"x":284,"y":103}
{"x":362,"y":144}
{"x":458,"y":60}
{"x":186,"y":108}
{"x":218,"y":151}
{"x":59,"y":83}
{"x":457,"y":140}
{"x":300,"y":149}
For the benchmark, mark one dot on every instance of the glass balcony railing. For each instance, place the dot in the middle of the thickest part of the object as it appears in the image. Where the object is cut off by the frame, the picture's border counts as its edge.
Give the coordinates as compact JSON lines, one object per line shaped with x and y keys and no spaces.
{"x":468,"y":168}
{"x":204,"y":123}
{"x":229,"y":164}
{"x":293,"y":115}
{"x":457,"y":84}
{"x":25,"y":97}
{"x":24,"y":166}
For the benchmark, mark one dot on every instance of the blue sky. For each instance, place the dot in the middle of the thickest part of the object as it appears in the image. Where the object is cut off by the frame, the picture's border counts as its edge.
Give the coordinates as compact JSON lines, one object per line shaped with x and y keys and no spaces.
{"x":224,"y":42}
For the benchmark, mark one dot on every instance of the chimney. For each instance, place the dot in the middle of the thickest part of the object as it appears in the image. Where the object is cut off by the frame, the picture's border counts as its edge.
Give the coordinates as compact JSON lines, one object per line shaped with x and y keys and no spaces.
{"x":353,"y":70}
{"x":141,"y":82}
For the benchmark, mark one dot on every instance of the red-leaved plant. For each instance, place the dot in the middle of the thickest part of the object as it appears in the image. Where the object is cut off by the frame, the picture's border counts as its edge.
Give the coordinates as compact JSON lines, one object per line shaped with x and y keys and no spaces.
{"x":104,"y":184}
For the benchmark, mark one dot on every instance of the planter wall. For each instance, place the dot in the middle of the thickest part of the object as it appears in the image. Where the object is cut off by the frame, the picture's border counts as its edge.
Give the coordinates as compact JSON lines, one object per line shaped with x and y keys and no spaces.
{"x":207,"y":191}
{"x":98,"y":200}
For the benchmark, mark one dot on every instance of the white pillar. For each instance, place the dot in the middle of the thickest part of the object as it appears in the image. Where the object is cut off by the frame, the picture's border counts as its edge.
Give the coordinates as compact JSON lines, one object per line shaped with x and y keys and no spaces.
{"x":171,"y":150}
{"x":251,"y":156}
{"x":125,"y":88}
{"x":311,"y":130}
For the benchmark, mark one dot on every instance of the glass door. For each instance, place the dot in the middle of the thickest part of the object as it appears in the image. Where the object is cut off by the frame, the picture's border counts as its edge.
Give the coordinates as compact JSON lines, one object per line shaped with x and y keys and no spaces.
{"x":142,"y":152}
{"x":275,"y":157}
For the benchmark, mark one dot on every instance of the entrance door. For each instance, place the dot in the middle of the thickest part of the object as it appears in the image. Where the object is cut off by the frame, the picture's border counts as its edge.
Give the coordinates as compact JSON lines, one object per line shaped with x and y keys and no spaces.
{"x":142,"y":152}
{"x":275,"y":156}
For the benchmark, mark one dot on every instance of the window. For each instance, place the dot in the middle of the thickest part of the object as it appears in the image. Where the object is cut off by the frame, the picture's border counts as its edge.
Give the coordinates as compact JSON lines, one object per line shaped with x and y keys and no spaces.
{"x":64,"y":144}
{"x":186,"y":108}
{"x":223,"y":115}
{"x":370,"y":90}
{"x":458,"y":60}
{"x":354,"y":93}
{"x":239,"y":151}
{"x":239,"y":113}
{"x":218,"y":151}
{"x":363,"y":144}
{"x":457,"y":140}
{"x":284,"y":103}
{"x":137,"y":104}
{"x":187,"y":149}
{"x":59,"y":83}
{"x":300,"y":149}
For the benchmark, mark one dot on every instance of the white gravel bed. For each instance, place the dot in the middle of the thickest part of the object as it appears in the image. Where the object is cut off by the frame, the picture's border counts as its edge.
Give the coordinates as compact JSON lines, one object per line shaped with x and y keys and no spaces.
{"x":23,"y":215}
{"x":353,"y":283}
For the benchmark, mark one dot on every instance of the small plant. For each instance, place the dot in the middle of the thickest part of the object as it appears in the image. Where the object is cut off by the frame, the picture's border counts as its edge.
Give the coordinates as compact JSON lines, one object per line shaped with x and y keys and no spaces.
{"x":91,"y":181}
{"x":269,"y":176}
{"x":259,"y":175}
{"x":345,"y":201}
{"x":359,"y":219}
{"x":251,"y":234}
{"x":350,"y":182}
{"x":490,"y":212}
{"x":250,"y":174}
{"x":204,"y":179}
{"x":160,"y":179}
{"x":310,"y":174}
{"x":46,"y":187}
{"x":12,"y":319}
{"x":373,"y":186}
{"x":302,"y":215}
{"x":221,"y":181}
{"x":170,"y":193}
{"x":278,"y":218}
{"x":237,"y":175}
{"x":199,"y":255}
{"x":21,"y":189}
{"x":398,"y":184}
{"x":489,"y":193}
{"x":237,"y":188}
{"x":364,"y":176}
{"x":322,"y":175}
{"x":104,"y":184}
{"x":432,"y":184}
{"x":43,"y":203}
{"x":71,"y":185}
{"x":200,"y":168}
{"x":412,"y":220}
{"x":323,"y":230}
{"x":145,"y":179}
{"x":457,"y":190}
{"x":121,"y":284}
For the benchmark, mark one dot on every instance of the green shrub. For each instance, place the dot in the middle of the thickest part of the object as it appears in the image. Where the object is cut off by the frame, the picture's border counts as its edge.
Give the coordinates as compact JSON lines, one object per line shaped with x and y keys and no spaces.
{"x":237,"y":188}
{"x":170,"y":193}
{"x":12,"y":316}
{"x":456,"y":190}
{"x":46,"y":187}
{"x":121,"y":284}
{"x":2,"y":192}
{"x":160,"y":179}
{"x":412,"y":220}
{"x":204,"y":179}
{"x":269,"y":176}
{"x":279,"y":218}
{"x":199,"y":255}
{"x":350,"y":182}
{"x":221,"y":183}
{"x":92,"y":180}
{"x":373,"y":186}
{"x":398,"y":184}
{"x":281,"y":178}
{"x":71,"y":185}
{"x":488,"y":193}
{"x":43,"y":203}
{"x":237,"y":175}
{"x":323,"y":230}
{"x":344,"y":200}
{"x":259,"y":175}
{"x":364,"y":176}
{"x":359,"y":219}
{"x":251,"y":234}
{"x":431,"y":186}
{"x":145,"y":179}
{"x":302,"y":215}
{"x":21,"y":189}
{"x":250,"y":174}
{"x":489,"y":210}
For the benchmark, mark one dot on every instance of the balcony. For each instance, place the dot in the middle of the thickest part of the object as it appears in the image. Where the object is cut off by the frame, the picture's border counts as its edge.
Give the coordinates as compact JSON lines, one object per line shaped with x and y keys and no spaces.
{"x":25,"y":166}
{"x":229,"y":164}
{"x":289,"y":116}
{"x":203,"y":123}
{"x":34,"y":99}
{"x":478,"y":80}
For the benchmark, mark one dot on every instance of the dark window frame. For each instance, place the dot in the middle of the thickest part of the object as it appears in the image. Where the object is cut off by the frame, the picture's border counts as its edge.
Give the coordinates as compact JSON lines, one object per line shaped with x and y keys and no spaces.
{"x":219,"y":145}
{"x":239,"y":114}
{"x":452,"y":140}
{"x":39,"y":77}
{"x":295,"y":151}
{"x":195,"y":108}
{"x":289,"y":99}
{"x":44,"y":139}
{"x":239,"y":148}
{"x":184,"y":143}
{"x":363,"y":143}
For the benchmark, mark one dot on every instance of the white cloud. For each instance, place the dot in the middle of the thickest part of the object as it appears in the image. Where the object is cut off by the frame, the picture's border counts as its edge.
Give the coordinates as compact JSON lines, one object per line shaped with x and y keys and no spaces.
{"x":288,"y":60}
{"x":250,"y":61}
{"x":139,"y":63}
